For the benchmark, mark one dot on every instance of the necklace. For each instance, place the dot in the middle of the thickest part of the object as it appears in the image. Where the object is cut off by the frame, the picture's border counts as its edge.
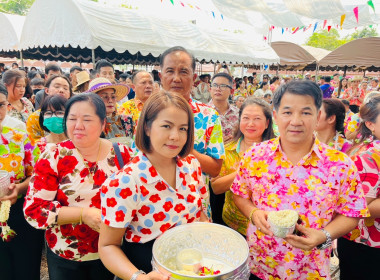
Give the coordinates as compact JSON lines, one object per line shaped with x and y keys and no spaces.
{"x":92,"y":170}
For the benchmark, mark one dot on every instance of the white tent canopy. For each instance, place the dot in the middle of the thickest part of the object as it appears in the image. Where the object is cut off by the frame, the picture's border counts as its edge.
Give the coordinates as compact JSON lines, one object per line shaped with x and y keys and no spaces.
{"x":10,"y":32}
{"x":87,"y":25}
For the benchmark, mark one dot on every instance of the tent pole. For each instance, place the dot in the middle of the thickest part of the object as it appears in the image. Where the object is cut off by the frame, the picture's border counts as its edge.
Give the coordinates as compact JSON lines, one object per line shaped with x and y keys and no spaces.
{"x":363,"y":73}
{"x":345,"y":70}
{"x":214,"y":68}
{"x":22,"y":59}
{"x":93,"y":56}
{"x":316,"y":72}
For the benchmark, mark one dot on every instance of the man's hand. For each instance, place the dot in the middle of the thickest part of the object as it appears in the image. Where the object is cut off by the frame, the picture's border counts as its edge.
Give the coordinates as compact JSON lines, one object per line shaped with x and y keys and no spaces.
{"x":311,"y":239}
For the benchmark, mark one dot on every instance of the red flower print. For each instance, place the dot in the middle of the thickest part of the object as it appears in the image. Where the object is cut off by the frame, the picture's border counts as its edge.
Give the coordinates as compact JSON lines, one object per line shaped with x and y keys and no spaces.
{"x":182,"y":176}
{"x":99,"y":177}
{"x":127,"y":170}
{"x":82,"y":231}
{"x":136,"y":238}
{"x":135,"y":159}
{"x":124,"y":193}
{"x":179,"y":207}
{"x":104,"y":189}
{"x":106,"y":222}
{"x":190,"y":198}
{"x":111,"y":202}
{"x":83,"y":248}
{"x":168,"y":205}
{"x":180,"y":196}
{"x":144,"y":210}
{"x":135,"y":219}
{"x":155,"y":198}
{"x":67,"y":144}
{"x":208,"y":132}
{"x":195,"y":176}
{"x":66,"y":165}
{"x":67,"y":230}
{"x":164,"y":227}
{"x":128,"y":235}
{"x":114,"y":183}
{"x":144,"y":191}
{"x":51,"y":238}
{"x":143,"y":180}
{"x":159,"y":217}
{"x":119,"y":216}
{"x":192,"y":188}
{"x":191,"y":220}
{"x":67,"y":254}
{"x":152,"y":171}
{"x":203,"y":190}
{"x":28,"y":156}
{"x":84,"y":173}
{"x":160,"y":186}
{"x":104,"y":211}
{"x":146,"y":231}
{"x":95,"y":201}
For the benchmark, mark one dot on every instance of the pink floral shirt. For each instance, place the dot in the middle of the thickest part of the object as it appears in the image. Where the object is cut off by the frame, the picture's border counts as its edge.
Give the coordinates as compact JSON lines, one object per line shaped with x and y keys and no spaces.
{"x":324,"y":182}
{"x":62,"y":179}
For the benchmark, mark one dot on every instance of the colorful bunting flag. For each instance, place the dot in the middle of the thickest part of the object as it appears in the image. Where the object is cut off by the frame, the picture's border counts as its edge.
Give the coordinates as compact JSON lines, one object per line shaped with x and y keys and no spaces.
{"x":324,"y":23}
{"x":315,"y":26}
{"x":183,"y":5}
{"x":213,"y":14}
{"x":295,"y":30}
{"x":370,"y":3}
{"x":282,"y":30}
{"x":172,"y":1}
{"x":329,"y":28}
{"x":222,"y":16}
{"x":356,"y":12}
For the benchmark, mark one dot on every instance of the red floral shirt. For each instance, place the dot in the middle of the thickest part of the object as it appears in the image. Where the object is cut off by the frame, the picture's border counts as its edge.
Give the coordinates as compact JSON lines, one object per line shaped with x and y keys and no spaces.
{"x":61,"y":178}
{"x":138,"y":198}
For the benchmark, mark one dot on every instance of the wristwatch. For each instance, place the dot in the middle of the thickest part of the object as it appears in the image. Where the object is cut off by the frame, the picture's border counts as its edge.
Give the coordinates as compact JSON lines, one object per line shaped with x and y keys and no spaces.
{"x":136,"y":274}
{"x":328,"y":241}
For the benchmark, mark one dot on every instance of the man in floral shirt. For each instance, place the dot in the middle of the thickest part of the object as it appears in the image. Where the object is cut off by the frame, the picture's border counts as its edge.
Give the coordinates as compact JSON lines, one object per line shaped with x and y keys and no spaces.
{"x":297,"y":172}
{"x":177,"y":75}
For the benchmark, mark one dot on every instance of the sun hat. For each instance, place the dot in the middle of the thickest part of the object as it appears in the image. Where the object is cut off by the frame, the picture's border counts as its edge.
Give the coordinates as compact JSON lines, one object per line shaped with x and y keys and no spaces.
{"x":100,"y":83}
{"x":82,"y":77}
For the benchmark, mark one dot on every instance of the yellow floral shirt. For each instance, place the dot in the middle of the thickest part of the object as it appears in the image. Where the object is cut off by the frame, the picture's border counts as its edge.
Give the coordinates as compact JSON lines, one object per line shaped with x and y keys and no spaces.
{"x":35,"y":131}
{"x":132,"y":108}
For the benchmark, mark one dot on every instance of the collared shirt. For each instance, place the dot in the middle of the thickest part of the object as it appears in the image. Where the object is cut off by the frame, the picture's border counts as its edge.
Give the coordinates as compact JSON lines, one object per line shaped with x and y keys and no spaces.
{"x":63,"y":178}
{"x":138,"y":198}
{"x":229,"y":120}
{"x":26,"y":111}
{"x":132,"y":108}
{"x":322,"y":183}
{"x":367,"y":160}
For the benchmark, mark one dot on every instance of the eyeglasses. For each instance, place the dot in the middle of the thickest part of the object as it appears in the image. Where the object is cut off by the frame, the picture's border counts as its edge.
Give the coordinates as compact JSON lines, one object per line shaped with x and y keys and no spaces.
{"x":221,"y":86}
{"x":49,"y":114}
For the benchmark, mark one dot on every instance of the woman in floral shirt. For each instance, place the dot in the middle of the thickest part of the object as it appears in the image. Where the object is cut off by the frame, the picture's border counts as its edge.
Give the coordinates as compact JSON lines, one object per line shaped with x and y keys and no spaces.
{"x":160,"y":188}
{"x":19,"y":107}
{"x":63,"y":195}
{"x":359,"y":251}
{"x":17,"y":156}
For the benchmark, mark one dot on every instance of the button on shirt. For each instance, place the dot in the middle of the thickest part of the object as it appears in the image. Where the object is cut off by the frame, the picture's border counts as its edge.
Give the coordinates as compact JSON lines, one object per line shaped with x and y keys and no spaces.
{"x":229,"y":120}
{"x":139,"y":199}
{"x":325,"y":181}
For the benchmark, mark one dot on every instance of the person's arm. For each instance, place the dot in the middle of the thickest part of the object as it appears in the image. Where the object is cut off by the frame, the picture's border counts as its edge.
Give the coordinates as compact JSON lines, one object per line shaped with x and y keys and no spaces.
{"x":209,"y":165}
{"x":222,"y":184}
{"x":115,"y":260}
{"x":15,"y":190}
{"x":373,"y":207}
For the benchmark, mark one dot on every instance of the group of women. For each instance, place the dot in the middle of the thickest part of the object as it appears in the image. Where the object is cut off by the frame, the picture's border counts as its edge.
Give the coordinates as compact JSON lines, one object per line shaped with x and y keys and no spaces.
{"x":101,"y":207}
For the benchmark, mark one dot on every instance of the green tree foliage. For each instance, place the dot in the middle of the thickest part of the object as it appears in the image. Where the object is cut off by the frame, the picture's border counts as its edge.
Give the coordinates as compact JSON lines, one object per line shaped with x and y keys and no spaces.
{"x":19,"y":7}
{"x":363,"y":33}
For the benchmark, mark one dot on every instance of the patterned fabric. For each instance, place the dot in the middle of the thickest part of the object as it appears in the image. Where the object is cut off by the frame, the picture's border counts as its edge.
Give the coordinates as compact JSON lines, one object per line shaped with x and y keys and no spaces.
{"x":41,"y":144}
{"x":327,"y":90}
{"x":240,"y":92}
{"x":229,"y":120}
{"x":231,"y":214}
{"x":252,"y":88}
{"x":119,"y":126}
{"x":202,"y":93}
{"x":131,"y":108}
{"x":26,"y":111}
{"x":353,"y":123}
{"x":349,"y":115}
{"x":61,"y":178}
{"x":35,"y":131}
{"x":260,"y":93}
{"x":138,"y":198}
{"x":340,"y":143}
{"x":367,"y":160}
{"x":17,"y":154}
{"x":323,"y":183}
{"x":354,"y":101}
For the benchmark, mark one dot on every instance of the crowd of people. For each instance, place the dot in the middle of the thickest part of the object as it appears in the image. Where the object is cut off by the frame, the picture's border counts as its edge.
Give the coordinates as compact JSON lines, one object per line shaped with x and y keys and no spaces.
{"x":103,"y":163}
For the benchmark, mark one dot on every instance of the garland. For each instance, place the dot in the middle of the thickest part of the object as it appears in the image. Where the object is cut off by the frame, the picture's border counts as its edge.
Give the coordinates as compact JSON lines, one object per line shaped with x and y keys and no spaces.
{"x":7,"y":234}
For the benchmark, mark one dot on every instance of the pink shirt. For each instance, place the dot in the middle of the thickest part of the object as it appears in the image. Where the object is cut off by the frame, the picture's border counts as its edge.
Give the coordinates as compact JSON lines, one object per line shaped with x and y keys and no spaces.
{"x":324,"y":182}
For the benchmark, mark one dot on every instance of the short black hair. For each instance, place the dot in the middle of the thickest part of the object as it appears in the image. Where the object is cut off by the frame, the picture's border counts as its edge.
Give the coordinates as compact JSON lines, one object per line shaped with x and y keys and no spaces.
{"x":72,"y":69}
{"x":102,"y":63}
{"x":345,"y":102}
{"x":3,"y":90}
{"x":37,"y":82}
{"x":177,"y":49}
{"x":223,"y":75}
{"x":300,"y":87}
{"x":336,"y":74}
{"x":327,"y":79}
{"x":52,"y":67}
{"x":15,"y":63}
{"x":32,"y":74}
{"x":55,"y":101}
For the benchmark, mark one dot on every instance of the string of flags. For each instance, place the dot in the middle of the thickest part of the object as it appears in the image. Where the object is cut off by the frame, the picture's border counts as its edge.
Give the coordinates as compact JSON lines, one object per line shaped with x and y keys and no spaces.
{"x":185,"y":5}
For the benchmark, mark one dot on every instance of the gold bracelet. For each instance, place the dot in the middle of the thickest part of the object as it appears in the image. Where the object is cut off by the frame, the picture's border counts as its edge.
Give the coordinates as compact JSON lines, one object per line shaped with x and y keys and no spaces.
{"x":251,"y":214}
{"x":80,"y":217}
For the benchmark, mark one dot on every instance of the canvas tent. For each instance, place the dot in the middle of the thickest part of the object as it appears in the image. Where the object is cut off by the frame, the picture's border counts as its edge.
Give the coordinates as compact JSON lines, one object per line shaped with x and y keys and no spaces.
{"x":79,"y":30}
{"x":10,"y":31}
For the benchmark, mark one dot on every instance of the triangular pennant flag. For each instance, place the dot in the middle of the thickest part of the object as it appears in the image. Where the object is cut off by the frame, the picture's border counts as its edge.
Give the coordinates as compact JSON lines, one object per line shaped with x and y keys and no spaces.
{"x":190,"y":6}
{"x":315,"y":26}
{"x":265,"y":38}
{"x":222,"y":16}
{"x":370,"y":3}
{"x":213,"y":14}
{"x":328,"y":28}
{"x":324,"y":23}
{"x":356,"y":12}
{"x":282,"y":30}
{"x":342,"y":18}
{"x":293,"y":28}
{"x":172,"y":1}
{"x":371,"y":26}
{"x":183,"y":5}
{"x":296,"y":30}
{"x":197,"y":7}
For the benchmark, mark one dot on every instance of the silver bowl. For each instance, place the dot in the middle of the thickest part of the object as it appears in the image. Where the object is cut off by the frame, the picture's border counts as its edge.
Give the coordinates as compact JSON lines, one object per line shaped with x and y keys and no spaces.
{"x":220,"y":245}
{"x":5,"y":181}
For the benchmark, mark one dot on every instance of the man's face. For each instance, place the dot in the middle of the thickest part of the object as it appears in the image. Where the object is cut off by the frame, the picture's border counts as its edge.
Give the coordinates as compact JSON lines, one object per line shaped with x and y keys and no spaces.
{"x":143,"y":86}
{"x":297,"y":118}
{"x":177,"y":74}
{"x":220,"y":89}
{"x":51,"y":73}
{"x":107,"y":72}
{"x":373,"y":84}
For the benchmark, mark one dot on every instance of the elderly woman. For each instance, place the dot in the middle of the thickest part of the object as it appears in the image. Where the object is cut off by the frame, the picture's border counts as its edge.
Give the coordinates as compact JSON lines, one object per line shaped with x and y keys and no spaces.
{"x":163,"y":177}
{"x":116,"y":125}
{"x":17,"y":157}
{"x":19,"y":107}
{"x":63,"y":195}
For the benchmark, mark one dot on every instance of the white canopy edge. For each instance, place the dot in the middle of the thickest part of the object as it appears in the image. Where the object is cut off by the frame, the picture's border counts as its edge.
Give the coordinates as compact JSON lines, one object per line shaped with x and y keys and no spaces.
{"x":10,"y":32}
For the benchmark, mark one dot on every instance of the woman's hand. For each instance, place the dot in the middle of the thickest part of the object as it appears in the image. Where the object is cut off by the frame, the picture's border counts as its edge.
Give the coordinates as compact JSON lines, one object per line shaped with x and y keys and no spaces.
{"x":310,"y":239}
{"x":92,"y":217}
{"x":154,"y":275}
{"x":259,"y":219}
{"x":12,"y":194}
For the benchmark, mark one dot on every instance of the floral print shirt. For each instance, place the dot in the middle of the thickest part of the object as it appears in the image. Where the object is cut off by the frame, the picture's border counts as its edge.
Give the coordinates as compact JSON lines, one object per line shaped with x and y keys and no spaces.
{"x":35,"y":131}
{"x":323,"y":183}
{"x":138,"y":198}
{"x":17,"y":154}
{"x":367,"y":160}
{"x":132,"y":108}
{"x":354,"y":101}
{"x":26,"y":111}
{"x":352,"y":123}
{"x":119,"y":126}
{"x":241,"y":92}
{"x":61,"y":178}
{"x":229,"y":120}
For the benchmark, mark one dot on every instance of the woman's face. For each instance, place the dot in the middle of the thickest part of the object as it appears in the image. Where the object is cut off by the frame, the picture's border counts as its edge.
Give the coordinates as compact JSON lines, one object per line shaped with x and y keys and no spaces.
{"x":239,"y":102}
{"x":168,"y":133}
{"x":16,"y":90}
{"x":3,"y":107}
{"x":344,"y":82}
{"x":265,"y":87}
{"x":242,"y":85}
{"x":59,"y":86}
{"x":83,"y":125}
{"x":375,"y":127}
{"x":253,"y":122}
{"x":109,"y":98}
